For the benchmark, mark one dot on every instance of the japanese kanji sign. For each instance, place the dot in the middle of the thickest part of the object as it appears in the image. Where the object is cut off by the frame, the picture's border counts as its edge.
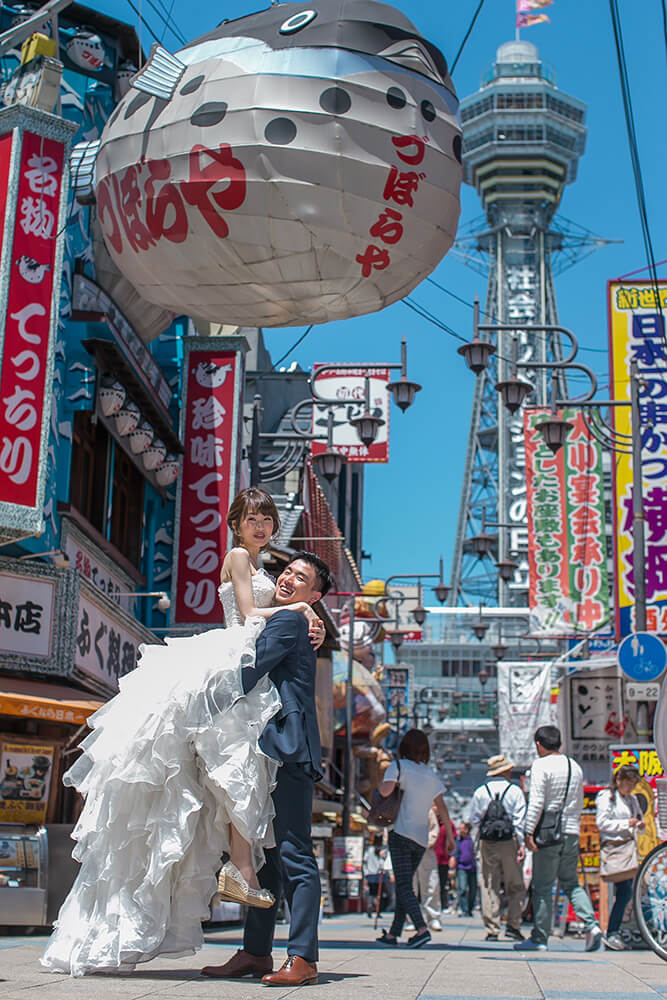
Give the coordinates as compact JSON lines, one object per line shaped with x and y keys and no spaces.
{"x":26,"y":615}
{"x":566,"y":528}
{"x":637,"y":332}
{"x":105,"y":645}
{"x":31,"y":164}
{"x":207,"y":485}
{"x":348,"y":386}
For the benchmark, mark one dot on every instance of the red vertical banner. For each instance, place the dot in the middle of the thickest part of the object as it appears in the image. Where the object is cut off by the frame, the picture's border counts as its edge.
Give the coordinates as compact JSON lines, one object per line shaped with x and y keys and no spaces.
{"x":24,"y":382}
{"x":210,"y":435}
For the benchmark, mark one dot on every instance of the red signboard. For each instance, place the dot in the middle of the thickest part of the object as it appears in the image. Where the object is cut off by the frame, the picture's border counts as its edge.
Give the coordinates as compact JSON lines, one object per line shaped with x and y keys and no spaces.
{"x":210,"y":435}
{"x":347,"y":386}
{"x":25,"y":350}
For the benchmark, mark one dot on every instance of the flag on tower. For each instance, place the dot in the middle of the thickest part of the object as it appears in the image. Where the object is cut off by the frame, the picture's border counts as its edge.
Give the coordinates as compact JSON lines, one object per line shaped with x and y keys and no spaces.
{"x":525,"y":17}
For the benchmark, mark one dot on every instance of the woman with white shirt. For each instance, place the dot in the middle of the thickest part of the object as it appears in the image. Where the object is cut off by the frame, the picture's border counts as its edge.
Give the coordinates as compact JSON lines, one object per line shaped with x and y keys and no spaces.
{"x":422,"y":788}
{"x":618,"y":816}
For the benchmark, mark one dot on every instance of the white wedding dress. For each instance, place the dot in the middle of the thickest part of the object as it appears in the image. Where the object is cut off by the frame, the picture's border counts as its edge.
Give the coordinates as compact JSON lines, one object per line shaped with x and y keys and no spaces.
{"x":171,"y":761}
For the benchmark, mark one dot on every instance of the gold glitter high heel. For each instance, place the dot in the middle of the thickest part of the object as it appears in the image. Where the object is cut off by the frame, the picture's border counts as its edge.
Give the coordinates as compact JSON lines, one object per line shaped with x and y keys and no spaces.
{"x":233,"y":887}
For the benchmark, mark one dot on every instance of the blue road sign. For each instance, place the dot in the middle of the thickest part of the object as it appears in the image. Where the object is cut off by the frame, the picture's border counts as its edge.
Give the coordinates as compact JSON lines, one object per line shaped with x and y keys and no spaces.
{"x":642,"y":656}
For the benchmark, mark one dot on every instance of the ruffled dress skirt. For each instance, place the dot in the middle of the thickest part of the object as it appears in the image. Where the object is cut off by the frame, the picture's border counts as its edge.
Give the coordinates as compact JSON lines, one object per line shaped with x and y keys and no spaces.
{"x":171,"y":761}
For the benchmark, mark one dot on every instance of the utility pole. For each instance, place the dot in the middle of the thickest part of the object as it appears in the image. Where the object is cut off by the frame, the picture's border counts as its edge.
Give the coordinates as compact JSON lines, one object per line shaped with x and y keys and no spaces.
{"x":638,"y":522}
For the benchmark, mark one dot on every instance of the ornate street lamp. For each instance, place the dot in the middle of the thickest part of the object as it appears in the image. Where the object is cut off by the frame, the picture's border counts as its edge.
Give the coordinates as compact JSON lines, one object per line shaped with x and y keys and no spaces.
{"x":499,"y":650}
{"x":480,"y":628}
{"x":513,"y":391}
{"x":403,"y":390}
{"x":506,"y":569}
{"x":482,"y":544}
{"x":554,"y":431}
{"x":478,"y":352}
{"x":441,"y":590}
{"x":329,"y":462}
{"x":419,"y":612}
{"x":368,"y":423}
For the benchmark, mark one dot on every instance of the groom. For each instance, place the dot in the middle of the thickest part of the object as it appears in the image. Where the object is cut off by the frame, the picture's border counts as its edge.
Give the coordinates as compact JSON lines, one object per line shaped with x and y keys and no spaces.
{"x":285,"y":653}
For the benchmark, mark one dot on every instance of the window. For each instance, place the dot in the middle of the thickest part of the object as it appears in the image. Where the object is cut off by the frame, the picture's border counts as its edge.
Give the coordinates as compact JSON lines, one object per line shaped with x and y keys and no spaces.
{"x":103,"y":478}
{"x":520,"y":102}
{"x":478,"y":139}
{"x":90,"y":451}
{"x":564,"y":110}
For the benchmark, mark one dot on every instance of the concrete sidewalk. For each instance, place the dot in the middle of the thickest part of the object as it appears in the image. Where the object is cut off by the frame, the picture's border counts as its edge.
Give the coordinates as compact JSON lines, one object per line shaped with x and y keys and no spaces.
{"x":458,"y":964}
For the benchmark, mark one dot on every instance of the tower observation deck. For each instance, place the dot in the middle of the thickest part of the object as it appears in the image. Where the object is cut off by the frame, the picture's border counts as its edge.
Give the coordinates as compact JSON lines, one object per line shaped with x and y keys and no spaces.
{"x":522,"y":139}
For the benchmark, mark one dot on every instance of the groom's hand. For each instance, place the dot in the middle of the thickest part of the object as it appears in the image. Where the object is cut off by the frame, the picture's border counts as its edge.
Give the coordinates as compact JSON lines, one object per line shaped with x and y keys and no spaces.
{"x":316,"y":632}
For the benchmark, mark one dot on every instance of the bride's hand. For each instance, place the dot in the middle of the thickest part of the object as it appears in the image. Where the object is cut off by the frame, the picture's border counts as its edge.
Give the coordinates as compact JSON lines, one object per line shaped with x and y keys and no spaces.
{"x":316,"y":630}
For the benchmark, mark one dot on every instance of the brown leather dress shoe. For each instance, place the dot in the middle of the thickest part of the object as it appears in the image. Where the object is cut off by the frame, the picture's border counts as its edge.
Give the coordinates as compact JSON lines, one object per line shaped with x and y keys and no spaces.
{"x":239,"y":965}
{"x":295,"y":972}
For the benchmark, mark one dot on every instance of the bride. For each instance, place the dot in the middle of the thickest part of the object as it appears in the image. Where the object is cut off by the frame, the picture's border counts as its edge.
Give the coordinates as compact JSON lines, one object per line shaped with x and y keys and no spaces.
{"x":173,"y":775}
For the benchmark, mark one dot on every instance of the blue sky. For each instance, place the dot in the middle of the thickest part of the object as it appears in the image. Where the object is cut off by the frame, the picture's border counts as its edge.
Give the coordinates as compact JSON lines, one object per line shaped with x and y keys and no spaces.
{"x":412,"y":503}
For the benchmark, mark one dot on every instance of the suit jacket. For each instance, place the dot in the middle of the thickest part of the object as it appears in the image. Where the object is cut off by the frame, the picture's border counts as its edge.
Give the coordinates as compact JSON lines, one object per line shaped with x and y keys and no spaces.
{"x":285,"y":653}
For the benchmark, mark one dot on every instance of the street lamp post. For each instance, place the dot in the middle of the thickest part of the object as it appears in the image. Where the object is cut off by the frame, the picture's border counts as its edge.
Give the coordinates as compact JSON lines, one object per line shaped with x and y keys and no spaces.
{"x":554,"y":430}
{"x":366,"y":424}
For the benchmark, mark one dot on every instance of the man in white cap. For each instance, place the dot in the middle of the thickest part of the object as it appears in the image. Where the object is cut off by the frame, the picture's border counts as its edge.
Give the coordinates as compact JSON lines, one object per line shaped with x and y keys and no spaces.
{"x":498,"y":809}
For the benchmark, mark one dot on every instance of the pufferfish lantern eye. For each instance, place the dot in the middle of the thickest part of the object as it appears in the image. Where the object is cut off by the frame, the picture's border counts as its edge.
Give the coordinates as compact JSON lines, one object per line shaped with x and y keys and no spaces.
{"x":297,"y":21}
{"x":412,"y":55}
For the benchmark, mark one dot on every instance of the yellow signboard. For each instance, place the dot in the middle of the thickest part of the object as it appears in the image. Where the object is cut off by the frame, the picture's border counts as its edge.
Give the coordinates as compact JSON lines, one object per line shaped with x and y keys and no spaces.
{"x":25,"y":779}
{"x":637,"y":332}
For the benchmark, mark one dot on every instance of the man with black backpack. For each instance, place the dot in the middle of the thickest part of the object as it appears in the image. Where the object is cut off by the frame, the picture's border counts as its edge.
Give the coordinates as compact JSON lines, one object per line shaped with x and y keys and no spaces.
{"x":498,"y":809}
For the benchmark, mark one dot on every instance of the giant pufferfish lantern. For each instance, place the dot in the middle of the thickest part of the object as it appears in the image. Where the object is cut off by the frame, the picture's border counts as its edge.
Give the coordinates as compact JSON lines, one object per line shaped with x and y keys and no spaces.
{"x":297,"y":165}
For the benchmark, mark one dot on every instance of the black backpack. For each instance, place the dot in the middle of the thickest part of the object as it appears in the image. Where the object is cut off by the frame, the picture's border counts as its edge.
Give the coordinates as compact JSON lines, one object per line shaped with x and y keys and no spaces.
{"x":496,"y":823}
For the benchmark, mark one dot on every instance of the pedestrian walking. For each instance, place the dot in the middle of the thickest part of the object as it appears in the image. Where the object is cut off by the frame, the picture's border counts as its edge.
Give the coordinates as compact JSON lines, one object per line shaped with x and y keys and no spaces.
{"x":426,"y":883}
{"x":498,"y":809}
{"x":421,"y":788}
{"x":553,"y":816}
{"x":618,"y":817}
{"x":464,"y":864}
{"x":442,"y":857}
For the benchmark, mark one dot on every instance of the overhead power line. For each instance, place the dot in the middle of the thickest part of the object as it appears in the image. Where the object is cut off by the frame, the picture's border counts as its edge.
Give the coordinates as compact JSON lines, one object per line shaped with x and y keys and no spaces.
{"x":466,"y":36}
{"x":634,"y":151}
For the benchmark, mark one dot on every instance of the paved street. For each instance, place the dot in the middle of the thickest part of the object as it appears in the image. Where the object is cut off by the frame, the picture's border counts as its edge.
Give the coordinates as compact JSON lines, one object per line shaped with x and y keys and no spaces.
{"x":458,"y":964}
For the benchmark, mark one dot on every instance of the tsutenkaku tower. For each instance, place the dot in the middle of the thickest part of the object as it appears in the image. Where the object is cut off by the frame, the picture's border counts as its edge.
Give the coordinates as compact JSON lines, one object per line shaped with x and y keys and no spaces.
{"x":522,"y":138}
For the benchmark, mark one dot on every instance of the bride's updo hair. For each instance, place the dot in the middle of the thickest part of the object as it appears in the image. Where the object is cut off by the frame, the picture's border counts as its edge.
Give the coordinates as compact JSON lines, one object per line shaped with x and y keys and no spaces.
{"x":252,"y":500}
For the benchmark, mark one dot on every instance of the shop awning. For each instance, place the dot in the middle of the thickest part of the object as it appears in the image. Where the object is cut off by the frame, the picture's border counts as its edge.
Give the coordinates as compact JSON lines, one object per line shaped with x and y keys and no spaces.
{"x":27,"y":699}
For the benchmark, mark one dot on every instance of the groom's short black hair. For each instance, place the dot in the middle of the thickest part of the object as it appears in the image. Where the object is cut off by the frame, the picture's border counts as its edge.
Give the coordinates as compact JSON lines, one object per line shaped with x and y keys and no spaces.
{"x":324,"y":581}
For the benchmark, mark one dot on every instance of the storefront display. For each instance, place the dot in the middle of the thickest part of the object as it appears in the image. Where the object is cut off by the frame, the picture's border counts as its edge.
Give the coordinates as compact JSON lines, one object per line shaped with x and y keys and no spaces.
{"x":23,"y":868}
{"x":25,"y":780}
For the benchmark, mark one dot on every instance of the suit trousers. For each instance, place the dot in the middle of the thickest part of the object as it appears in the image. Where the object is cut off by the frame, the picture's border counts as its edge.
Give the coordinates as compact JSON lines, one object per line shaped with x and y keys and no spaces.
{"x":499,"y":864}
{"x":290,"y":869}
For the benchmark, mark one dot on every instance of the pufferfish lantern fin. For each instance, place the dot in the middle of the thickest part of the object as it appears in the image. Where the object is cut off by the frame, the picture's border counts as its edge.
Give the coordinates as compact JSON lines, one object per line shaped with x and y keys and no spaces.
{"x":161,"y":74}
{"x":82,"y":169}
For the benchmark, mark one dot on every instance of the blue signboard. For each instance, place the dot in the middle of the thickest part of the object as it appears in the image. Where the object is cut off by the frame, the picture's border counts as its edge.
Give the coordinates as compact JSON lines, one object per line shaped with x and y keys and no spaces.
{"x":642,"y":656}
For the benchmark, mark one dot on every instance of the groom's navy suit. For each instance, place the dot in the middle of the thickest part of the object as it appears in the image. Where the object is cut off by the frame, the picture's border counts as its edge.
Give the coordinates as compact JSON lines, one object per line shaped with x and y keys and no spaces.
{"x":285,"y":653}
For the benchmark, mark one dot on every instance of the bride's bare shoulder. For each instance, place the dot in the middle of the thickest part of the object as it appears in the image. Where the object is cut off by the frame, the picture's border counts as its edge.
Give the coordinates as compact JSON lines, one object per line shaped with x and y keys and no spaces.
{"x":237,"y":560}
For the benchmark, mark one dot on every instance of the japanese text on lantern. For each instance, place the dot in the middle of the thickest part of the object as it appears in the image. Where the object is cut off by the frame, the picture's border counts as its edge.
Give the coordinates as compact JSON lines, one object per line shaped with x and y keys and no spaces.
{"x":28,"y":322}
{"x":567,"y":560}
{"x":399,"y":189}
{"x":145,"y":205}
{"x":637,"y":333}
{"x":206,"y":483}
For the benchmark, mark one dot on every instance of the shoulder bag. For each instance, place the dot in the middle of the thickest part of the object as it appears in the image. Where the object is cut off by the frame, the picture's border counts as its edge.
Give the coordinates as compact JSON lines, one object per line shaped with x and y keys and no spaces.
{"x":384,"y":808}
{"x":549,"y":829}
{"x":619,"y":859}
